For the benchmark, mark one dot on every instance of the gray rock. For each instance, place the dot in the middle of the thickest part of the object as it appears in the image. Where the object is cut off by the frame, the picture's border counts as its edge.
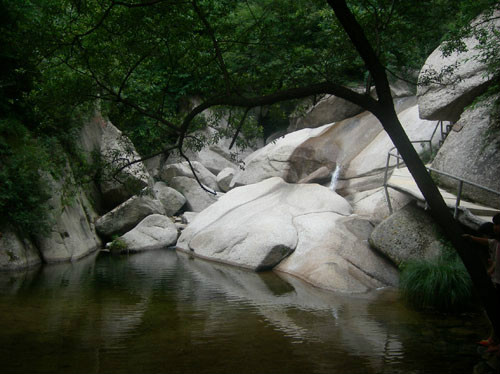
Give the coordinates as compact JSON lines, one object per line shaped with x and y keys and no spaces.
{"x":446,"y":99}
{"x":73,"y":234}
{"x":334,"y":254}
{"x":408,"y":234}
{"x":321,"y":175}
{"x":16,"y":253}
{"x":224,"y":179}
{"x":305,"y":228}
{"x":372,"y":204}
{"x":99,"y":136}
{"x":473,"y":153}
{"x":182,"y":169}
{"x":171,"y":199}
{"x":328,"y":110}
{"x":117,"y":150}
{"x":197,"y":199}
{"x":153,"y":232}
{"x":125,"y":216}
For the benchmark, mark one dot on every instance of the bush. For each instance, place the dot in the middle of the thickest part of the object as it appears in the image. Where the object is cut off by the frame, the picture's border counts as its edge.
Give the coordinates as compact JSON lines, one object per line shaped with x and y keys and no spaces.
{"x":442,"y":284}
{"x":118,"y":245}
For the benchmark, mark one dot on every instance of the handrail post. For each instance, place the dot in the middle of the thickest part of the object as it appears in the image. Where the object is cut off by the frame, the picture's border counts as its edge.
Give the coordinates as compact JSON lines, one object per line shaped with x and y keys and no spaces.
{"x":387,"y":164}
{"x":459,"y":195}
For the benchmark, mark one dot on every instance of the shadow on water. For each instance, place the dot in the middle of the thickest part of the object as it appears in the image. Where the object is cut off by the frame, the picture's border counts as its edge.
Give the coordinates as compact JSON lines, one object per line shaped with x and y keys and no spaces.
{"x":163,"y":311}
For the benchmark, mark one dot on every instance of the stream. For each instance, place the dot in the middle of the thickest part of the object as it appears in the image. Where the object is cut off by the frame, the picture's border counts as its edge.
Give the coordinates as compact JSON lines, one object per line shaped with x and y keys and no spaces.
{"x":164,"y":312}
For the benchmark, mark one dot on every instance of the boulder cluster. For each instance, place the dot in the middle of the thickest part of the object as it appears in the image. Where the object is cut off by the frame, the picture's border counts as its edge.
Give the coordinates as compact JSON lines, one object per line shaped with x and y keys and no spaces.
{"x":310,"y":202}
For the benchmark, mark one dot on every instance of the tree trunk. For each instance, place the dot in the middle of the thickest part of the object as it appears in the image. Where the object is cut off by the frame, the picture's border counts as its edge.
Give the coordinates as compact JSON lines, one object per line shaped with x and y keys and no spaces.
{"x":386,"y":114}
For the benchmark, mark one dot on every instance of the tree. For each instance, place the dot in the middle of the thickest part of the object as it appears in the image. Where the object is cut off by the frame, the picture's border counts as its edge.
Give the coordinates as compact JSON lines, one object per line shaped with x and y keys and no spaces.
{"x":146,"y":57}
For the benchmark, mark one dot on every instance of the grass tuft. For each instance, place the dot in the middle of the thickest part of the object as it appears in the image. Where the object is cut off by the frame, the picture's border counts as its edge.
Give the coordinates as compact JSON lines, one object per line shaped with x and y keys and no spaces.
{"x":441,"y":283}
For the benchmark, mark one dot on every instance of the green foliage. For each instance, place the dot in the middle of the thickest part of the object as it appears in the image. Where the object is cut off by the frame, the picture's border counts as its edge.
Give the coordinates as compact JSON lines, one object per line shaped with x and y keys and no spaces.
{"x":118,"y":245}
{"x":441,"y":283}
{"x":23,"y":192}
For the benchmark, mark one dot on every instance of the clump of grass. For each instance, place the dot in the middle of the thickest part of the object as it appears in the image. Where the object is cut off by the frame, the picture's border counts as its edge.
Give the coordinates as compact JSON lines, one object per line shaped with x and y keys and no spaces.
{"x":118,"y":245}
{"x":442,"y":284}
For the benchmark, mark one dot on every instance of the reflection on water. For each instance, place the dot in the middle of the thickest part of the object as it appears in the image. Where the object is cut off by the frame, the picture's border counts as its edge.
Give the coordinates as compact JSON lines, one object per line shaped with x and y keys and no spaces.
{"x":165,"y":312}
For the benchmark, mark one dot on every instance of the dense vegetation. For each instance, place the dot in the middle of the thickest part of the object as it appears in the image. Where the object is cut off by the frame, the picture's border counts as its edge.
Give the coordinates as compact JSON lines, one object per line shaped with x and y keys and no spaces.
{"x":144,"y":61}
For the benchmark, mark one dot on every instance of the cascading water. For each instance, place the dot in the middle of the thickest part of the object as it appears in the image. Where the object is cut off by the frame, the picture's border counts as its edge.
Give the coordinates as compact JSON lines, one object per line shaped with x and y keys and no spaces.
{"x":335,"y":177}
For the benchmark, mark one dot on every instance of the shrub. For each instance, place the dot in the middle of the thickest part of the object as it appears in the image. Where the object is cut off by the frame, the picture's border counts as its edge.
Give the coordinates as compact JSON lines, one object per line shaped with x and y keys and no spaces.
{"x":118,"y":245}
{"x":441,"y":283}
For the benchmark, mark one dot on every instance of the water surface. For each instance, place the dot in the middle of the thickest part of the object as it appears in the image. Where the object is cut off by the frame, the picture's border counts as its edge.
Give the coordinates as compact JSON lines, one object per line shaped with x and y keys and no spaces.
{"x":163,"y":312}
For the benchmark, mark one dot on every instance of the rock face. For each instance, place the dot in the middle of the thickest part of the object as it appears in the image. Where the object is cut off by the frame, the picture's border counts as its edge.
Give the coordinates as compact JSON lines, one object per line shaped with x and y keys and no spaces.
{"x":73,"y":234}
{"x":409,"y":233}
{"x":153,"y":232}
{"x":329,"y":109}
{"x":272,"y":160}
{"x":117,"y":150}
{"x":16,"y":253}
{"x":333,"y":254}
{"x":358,"y":144}
{"x":125,"y":216}
{"x":100,"y":136}
{"x":372,"y":204}
{"x":182,"y":169}
{"x":253,"y":226}
{"x":224,"y":179}
{"x":469,"y":78}
{"x":364,"y":169}
{"x":197,"y":199}
{"x":171,"y":199}
{"x":259,"y":225}
{"x":473,"y":153}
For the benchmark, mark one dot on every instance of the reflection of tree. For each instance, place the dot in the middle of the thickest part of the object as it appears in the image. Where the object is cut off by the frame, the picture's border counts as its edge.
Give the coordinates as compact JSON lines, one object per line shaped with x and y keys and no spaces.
{"x":162,"y":311}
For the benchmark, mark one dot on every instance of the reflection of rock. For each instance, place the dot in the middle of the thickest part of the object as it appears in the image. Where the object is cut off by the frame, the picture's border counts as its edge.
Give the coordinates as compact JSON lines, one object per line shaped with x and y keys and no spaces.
{"x":342,"y":320}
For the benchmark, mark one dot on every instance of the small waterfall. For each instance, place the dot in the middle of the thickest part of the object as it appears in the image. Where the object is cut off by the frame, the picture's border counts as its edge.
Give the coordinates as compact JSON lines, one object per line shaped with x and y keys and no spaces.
{"x":335,"y":177}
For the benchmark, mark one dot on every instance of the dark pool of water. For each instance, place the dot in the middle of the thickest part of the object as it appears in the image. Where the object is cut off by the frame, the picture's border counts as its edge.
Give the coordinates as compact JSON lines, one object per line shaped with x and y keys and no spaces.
{"x":162,"y":312}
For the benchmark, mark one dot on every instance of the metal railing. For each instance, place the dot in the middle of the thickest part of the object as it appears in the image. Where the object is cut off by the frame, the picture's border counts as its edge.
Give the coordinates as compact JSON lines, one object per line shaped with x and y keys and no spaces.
{"x":460,"y":180}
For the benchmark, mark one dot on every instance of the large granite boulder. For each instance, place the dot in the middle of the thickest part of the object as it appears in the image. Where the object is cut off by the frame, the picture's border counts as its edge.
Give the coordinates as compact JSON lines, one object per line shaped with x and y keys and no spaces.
{"x":99,"y":136}
{"x":472,"y":152}
{"x":224,"y":179}
{"x":447,"y":84}
{"x":273,"y":159}
{"x":259,"y":225}
{"x":171,"y":199}
{"x":333,"y":253}
{"x":125,"y":216}
{"x":408,"y":234}
{"x":182,"y":169}
{"x":197,"y":198}
{"x":72,"y":234}
{"x":16,"y":253}
{"x":372,"y":204}
{"x":331,"y":108}
{"x":366,"y":169}
{"x":358,"y":145}
{"x":153,"y":232}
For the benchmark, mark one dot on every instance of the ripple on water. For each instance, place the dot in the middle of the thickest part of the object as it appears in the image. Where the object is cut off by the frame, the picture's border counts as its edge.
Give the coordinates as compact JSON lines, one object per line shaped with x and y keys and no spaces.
{"x":163,"y":312}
